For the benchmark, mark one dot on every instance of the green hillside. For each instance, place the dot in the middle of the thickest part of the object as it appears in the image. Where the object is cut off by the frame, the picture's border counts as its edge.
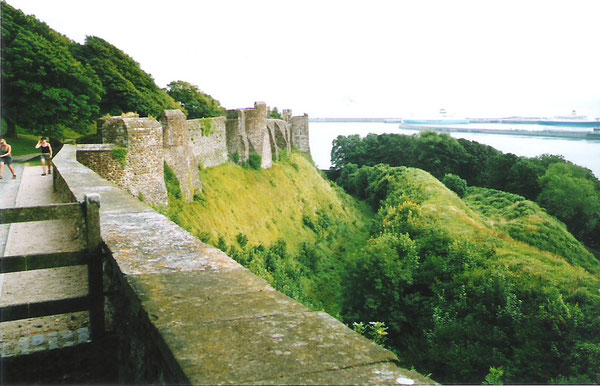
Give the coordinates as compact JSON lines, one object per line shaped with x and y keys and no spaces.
{"x":287,"y":224}
{"x":268,"y":205}
{"x":463,"y":286}
{"x":495,"y":283}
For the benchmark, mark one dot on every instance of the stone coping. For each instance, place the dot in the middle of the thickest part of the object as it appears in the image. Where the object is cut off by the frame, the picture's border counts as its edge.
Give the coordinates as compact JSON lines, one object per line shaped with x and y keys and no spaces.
{"x":217,"y":321}
{"x":96,"y":147}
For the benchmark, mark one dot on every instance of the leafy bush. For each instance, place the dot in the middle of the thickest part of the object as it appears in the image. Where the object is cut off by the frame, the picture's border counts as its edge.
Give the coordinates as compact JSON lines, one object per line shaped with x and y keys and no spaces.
{"x":254,"y":161}
{"x":172,"y":182}
{"x":456,"y":184}
{"x":236,"y":158}
{"x":206,"y":124}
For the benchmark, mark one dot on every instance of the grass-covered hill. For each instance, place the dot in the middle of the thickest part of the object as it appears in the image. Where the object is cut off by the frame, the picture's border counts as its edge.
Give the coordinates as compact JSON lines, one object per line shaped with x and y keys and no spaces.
{"x":491,"y":281}
{"x":463,"y":285}
{"x":288,"y":224}
{"x":285,"y":202}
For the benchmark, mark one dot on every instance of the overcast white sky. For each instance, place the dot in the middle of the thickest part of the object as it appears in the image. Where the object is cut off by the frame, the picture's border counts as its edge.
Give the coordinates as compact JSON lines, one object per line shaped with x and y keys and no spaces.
{"x":357,"y":58}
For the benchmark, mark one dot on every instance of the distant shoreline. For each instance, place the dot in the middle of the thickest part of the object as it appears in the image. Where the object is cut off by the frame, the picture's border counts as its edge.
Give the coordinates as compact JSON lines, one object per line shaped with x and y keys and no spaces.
{"x":532,"y":133}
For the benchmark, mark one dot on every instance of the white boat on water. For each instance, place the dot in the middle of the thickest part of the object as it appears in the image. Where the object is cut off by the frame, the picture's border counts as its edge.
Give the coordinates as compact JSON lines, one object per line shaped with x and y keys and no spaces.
{"x":442,"y":119}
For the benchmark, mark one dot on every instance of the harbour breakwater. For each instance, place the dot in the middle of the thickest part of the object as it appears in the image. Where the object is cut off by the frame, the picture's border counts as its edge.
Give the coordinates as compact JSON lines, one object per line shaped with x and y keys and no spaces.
{"x":589,"y":135}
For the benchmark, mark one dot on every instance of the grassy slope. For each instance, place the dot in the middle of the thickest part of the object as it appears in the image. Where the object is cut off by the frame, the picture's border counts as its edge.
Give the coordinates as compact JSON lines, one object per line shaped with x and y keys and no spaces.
{"x":563,"y":262}
{"x":267,"y":205}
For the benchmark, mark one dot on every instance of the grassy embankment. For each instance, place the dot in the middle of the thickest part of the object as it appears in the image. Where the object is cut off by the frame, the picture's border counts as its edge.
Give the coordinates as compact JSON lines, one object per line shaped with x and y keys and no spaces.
{"x":267,"y":205}
{"x":488,"y":281}
{"x":529,"y":241}
{"x":491,"y":262}
{"x":287,"y":224}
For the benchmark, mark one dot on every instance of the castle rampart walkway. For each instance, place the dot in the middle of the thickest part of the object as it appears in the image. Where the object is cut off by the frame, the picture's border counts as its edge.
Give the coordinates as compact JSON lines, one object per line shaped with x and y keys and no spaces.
{"x":184,"y":312}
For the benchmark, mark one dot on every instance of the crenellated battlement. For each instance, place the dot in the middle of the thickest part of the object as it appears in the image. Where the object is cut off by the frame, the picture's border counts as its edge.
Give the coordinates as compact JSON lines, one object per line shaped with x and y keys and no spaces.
{"x":142,"y":145}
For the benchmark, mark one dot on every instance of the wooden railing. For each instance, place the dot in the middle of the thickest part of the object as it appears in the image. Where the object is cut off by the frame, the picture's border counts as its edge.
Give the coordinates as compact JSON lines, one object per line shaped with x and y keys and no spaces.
{"x":88,"y":213}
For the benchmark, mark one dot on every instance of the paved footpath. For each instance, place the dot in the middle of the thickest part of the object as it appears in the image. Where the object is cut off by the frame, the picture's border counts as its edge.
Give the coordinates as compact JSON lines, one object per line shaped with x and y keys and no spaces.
{"x":39,"y":334}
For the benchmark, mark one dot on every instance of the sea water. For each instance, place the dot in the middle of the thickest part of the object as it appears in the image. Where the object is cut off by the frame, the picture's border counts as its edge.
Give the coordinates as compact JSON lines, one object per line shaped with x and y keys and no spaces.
{"x":582,"y":152}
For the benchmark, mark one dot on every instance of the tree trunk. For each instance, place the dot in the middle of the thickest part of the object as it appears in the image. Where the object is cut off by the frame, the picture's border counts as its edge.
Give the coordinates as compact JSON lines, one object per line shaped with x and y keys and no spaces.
{"x":11,"y":129}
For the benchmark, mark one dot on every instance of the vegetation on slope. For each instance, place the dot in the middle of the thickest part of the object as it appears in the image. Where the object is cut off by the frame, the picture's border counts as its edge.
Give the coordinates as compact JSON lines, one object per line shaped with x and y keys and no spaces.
{"x":460,"y":295}
{"x":287,"y":224}
{"x":567,"y":191}
{"x":463,"y":286}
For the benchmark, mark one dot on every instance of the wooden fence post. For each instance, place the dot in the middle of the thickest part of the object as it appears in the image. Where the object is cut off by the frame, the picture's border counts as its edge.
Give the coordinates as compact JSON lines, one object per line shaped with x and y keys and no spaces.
{"x":95,"y":274}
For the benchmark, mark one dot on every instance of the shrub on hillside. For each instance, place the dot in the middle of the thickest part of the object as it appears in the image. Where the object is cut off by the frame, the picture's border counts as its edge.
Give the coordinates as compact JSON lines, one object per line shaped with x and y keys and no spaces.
{"x":456,"y":184}
{"x":254,"y":161}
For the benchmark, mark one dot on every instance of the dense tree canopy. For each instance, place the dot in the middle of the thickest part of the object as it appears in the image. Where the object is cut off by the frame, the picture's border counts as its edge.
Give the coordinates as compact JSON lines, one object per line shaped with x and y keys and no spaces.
{"x":194,"y":102}
{"x":50,"y":83}
{"x":128,"y":87}
{"x":44,"y":88}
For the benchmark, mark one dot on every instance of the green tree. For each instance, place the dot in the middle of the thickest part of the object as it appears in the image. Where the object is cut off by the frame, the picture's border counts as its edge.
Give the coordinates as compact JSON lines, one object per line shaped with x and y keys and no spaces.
{"x":44,"y":88}
{"x":195,"y":103}
{"x":456,"y":184}
{"x":274,"y":114}
{"x":569,"y":194}
{"x":523,"y":178}
{"x":439,"y":154}
{"x":128,"y":87}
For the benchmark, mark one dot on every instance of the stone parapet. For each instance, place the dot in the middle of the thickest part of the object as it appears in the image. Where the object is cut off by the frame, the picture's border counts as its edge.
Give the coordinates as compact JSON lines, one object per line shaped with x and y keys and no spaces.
{"x":299,"y":131}
{"x":136,"y":159}
{"x":208,"y":138}
{"x":184,"y":312}
{"x":178,"y":152}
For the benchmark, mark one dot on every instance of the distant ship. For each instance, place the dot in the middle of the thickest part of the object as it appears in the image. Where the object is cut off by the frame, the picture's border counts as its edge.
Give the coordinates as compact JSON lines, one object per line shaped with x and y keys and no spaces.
{"x":572,"y":120}
{"x":442,"y":119}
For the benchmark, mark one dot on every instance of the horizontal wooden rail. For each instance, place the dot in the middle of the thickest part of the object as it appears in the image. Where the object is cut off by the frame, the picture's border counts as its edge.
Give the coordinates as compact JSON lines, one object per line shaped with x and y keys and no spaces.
{"x":46,"y":308}
{"x":88,"y":212}
{"x":72,"y":210}
{"x":31,"y":262}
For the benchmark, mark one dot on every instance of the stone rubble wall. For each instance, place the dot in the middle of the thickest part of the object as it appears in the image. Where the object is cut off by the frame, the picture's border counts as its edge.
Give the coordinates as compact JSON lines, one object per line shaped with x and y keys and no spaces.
{"x":236,"y":138}
{"x":178,"y":152}
{"x":186,"y":144}
{"x":141,"y":172}
{"x":209,"y":150}
{"x":299,"y":130}
{"x":183,"y":312}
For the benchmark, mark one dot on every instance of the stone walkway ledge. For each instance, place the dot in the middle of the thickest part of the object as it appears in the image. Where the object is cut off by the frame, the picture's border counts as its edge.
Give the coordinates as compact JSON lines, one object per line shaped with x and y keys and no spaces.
{"x":188,"y":313}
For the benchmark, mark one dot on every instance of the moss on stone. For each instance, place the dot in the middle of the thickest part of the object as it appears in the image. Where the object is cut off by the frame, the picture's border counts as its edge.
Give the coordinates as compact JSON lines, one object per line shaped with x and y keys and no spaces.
{"x":119,"y":154}
{"x":206,"y":126}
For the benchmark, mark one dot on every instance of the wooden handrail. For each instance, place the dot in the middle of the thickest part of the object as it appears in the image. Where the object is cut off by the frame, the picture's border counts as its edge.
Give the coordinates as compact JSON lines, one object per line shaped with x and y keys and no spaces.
{"x":41,"y":213}
{"x":89,"y":211}
{"x":19,"y":263}
{"x":45,"y":308}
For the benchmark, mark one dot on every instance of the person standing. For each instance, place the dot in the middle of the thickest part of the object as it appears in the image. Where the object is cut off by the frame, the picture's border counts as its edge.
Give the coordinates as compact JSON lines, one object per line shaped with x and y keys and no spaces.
{"x":6,"y":158}
{"x":44,"y":145}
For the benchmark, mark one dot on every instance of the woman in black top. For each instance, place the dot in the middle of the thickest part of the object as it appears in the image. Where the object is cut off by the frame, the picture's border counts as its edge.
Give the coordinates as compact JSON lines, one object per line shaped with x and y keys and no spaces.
{"x":46,"y":155}
{"x":6,"y":158}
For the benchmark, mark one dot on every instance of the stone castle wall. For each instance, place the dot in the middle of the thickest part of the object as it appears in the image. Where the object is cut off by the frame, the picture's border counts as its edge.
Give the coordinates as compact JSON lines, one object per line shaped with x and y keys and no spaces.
{"x":134,"y":161}
{"x":299,"y":133}
{"x":186,"y":144}
{"x":178,"y":152}
{"x":209,"y":141}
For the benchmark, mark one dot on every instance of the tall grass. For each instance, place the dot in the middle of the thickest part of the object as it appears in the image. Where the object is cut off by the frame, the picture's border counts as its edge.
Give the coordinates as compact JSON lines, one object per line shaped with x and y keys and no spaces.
{"x":267,"y":205}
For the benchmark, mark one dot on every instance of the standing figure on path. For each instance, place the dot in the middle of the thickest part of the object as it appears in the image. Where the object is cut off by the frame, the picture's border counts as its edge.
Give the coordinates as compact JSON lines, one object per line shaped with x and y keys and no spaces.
{"x":6,"y":158}
{"x":46,"y":155}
